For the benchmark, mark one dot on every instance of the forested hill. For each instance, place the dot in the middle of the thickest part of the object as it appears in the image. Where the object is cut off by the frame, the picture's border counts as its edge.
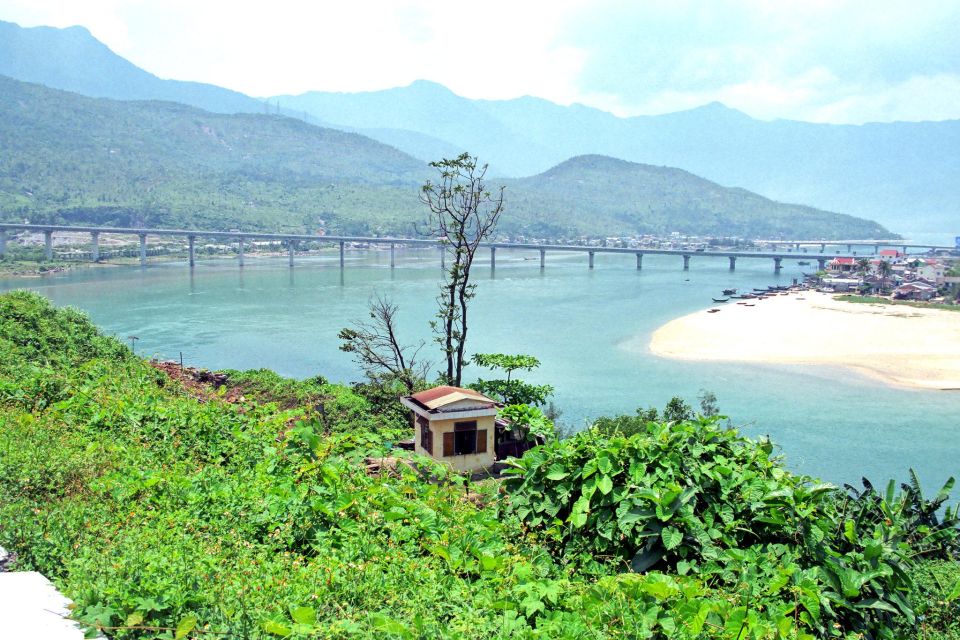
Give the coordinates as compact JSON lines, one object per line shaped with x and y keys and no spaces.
{"x":72,"y":159}
{"x":653,"y":199}
{"x":75,"y":159}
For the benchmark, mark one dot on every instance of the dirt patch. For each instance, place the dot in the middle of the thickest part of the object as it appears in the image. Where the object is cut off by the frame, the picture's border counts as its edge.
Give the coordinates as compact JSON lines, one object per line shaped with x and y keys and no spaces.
{"x":202,"y":384}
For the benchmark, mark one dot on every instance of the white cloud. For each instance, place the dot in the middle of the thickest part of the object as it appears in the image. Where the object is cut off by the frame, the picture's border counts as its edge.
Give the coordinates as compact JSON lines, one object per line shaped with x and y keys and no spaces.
{"x":826,"y":60}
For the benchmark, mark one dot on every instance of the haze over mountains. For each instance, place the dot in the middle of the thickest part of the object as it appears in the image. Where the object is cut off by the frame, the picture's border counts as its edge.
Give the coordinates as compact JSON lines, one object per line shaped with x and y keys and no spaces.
{"x":70,"y":158}
{"x":901,"y":173}
{"x":905,"y":173}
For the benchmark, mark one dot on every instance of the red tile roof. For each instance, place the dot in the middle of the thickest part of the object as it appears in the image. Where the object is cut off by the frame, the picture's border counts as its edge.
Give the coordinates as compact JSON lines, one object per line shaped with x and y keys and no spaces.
{"x":438,"y":392}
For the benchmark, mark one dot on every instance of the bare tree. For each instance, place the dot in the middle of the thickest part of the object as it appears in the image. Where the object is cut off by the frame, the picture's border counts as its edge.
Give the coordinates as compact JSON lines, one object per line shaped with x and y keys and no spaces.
{"x":462,"y":213}
{"x":377,"y":348}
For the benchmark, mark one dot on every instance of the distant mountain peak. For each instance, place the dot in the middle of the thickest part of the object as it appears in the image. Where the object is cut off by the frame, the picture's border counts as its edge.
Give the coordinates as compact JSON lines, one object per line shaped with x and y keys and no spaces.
{"x":594,"y":162}
{"x":710,"y":110}
{"x":427,"y":84}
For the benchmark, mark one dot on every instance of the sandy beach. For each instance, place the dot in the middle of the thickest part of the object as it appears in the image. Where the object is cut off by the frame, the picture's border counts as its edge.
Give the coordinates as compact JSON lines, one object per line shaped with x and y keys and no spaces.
{"x":897,"y":344}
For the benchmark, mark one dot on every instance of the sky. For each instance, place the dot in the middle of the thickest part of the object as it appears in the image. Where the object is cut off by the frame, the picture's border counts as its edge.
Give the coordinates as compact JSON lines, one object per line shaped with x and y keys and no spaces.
{"x":840,"y":61}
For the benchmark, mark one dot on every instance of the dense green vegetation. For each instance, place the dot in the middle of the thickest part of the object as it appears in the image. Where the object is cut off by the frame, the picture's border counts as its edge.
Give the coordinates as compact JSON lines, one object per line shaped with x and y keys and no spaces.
{"x":662,"y":199}
{"x":253,"y":511}
{"x":70,"y":159}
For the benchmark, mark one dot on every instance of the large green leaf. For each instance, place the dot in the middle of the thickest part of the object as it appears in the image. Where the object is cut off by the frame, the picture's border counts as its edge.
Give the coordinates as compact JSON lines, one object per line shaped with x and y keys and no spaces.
{"x":671,"y":538}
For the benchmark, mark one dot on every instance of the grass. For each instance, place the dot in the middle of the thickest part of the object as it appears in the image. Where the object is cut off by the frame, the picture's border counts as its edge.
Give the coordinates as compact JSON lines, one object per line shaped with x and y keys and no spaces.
{"x":905,"y":303}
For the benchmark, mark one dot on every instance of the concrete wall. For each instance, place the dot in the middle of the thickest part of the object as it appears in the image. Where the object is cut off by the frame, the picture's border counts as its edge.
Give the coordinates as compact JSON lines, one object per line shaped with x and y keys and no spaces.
{"x":472,"y":462}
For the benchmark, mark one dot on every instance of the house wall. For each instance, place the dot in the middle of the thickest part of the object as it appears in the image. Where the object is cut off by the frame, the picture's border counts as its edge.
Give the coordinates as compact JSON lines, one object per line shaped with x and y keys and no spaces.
{"x":472,"y":462}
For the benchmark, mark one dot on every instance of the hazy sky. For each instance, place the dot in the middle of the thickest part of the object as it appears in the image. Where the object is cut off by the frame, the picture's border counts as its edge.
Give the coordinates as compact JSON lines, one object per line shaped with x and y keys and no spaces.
{"x":818,"y":60}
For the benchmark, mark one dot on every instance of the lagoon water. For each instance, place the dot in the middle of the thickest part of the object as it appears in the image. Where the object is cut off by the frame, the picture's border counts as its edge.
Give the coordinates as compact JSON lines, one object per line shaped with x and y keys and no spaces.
{"x":590,"y":328}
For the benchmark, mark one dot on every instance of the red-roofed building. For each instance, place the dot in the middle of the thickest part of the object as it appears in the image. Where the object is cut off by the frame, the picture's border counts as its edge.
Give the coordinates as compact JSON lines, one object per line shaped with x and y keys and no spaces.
{"x":842,"y":265}
{"x":454,"y":425}
{"x":460,"y":427}
{"x":890,"y":254}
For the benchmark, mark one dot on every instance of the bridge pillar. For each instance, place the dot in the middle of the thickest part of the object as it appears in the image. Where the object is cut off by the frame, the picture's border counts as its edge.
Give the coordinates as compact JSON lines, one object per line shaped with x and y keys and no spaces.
{"x":240,"y":250}
{"x":3,"y":243}
{"x":443,"y":257}
{"x":341,"y":256}
{"x":823,"y":247}
{"x":904,"y":249}
{"x":143,"y":249}
{"x":876,"y":249}
{"x":95,"y":246}
{"x":822,"y":264}
{"x":591,"y":259}
{"x":639,"y":261}
{"x":191,"y":242}
{"x":777,"y":265}
{"x":543,"y":258}
{"x":48,"y":244}
{"x":686,"y":262}
{"x":733,"y":263}
{"x":798,"y":246}
{"x":849,"y":248}
{"x":493,"y":257}
{"x":291,"y":247}
{"x":392,"y":257}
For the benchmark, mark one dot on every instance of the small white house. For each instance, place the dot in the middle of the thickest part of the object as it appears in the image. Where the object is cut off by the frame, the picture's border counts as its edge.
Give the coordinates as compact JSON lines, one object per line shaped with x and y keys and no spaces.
{"x":455,"y":426}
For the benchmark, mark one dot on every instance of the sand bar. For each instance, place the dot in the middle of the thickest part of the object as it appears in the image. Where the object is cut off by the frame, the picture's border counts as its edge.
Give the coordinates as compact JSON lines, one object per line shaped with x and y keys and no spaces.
{"x":898,"y":344}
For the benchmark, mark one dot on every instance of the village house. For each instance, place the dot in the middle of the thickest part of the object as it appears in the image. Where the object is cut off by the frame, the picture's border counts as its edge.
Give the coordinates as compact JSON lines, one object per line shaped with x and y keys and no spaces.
{"x":842,"y":265}
{"x":931,"y":271}
{"x":915,"y":291}
{"x":890,"y":255}
{"x":460,"y":427}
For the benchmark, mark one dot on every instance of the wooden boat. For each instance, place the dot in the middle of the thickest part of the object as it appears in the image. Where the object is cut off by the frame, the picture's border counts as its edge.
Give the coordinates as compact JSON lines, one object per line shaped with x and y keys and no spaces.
{"x":729,"y":292}
{"x":712,"y":310}
{"x":719,"y":299}
{"x":803,"y":263}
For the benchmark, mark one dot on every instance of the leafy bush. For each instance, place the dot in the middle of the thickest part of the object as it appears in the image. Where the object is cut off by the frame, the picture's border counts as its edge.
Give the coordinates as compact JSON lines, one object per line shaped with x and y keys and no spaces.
{"x":696,"y":499}
{"x":157,"y":512}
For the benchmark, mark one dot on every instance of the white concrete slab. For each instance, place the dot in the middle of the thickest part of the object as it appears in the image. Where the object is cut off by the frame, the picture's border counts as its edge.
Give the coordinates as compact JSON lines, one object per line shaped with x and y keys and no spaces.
{"x":32,"y":609}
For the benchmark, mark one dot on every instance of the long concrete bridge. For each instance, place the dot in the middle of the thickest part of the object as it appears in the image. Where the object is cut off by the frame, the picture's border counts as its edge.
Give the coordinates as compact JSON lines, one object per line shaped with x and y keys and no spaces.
{"x":876,"y":245}
{"x":291,"y":241}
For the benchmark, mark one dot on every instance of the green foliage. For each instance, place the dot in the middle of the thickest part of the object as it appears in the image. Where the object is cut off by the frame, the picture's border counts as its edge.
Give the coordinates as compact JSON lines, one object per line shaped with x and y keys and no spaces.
{"x":507,"y":363}
{"x":530,"y":420}
{"x":937,"y":586}
{"x":508,"y":390}
{"x":905,"y":303}
{"x":259,"y":519}
{"x":695,"y":499}
{"x":676,"y":410}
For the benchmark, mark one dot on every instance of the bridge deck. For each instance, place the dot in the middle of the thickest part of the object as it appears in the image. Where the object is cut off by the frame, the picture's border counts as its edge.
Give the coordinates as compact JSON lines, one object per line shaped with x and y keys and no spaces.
{"x":427,"y":242}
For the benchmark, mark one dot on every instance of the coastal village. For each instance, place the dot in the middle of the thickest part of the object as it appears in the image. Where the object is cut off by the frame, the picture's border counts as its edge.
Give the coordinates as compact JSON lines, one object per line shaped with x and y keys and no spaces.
{"x":902,"y":277}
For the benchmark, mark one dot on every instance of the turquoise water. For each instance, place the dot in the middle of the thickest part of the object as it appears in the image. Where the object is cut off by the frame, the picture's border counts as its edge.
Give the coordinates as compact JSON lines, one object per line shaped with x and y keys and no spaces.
{"x":829,"y":422}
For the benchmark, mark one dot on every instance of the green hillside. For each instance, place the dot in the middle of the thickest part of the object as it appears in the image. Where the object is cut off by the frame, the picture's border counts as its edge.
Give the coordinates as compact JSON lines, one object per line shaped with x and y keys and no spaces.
{"x":71,"y":159}
{"x":662,"y":199}
{"x":268,"y":508}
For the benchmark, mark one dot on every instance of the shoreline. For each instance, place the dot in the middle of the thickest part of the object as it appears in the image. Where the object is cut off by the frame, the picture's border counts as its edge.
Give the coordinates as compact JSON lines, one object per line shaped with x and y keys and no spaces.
{"x":898,"y":345}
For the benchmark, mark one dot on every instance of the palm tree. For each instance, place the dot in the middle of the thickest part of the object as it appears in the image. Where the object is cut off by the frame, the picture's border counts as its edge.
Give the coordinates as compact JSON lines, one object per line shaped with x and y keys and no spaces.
{"x":884,"y":270}
{"x":863,"y":266}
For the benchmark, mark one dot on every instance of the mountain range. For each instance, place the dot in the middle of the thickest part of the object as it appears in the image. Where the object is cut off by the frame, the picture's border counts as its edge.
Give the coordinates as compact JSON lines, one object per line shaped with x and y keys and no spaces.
{"x":71,"y":158}
{"x":904,"y":174}
{"x":425,"y":120}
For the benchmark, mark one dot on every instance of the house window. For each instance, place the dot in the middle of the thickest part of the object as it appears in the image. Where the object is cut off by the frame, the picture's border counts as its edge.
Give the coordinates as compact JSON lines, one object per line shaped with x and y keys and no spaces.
{"x":465,"y":439}
{"x":426,"y":436}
